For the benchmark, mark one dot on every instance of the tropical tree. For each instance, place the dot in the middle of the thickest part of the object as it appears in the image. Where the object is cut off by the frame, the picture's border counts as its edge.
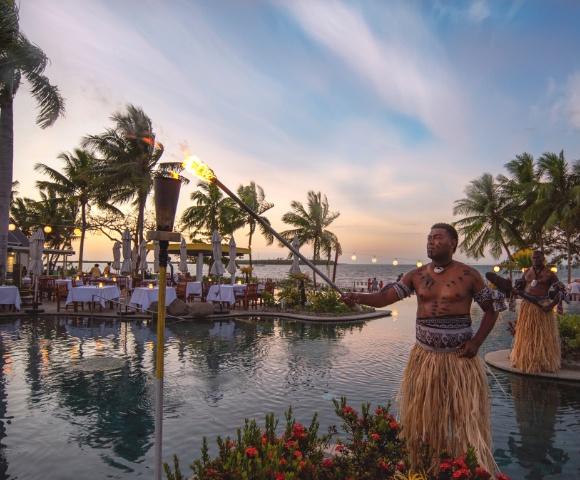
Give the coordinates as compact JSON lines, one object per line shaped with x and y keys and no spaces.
{"x":311,"y":222}
{"x":212,"y":211}
{"x":558,"y":198}
{"x":491,"y":220}
{"x":254,"y":197}
{"x":130,"y":160}
{"x":78,"y":183}
{"x":19,"y":59}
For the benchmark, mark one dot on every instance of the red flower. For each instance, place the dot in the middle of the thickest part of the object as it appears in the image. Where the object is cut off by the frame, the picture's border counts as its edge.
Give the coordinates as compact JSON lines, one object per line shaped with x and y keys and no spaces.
{"x":361,"y":420}
{"x":393,"y":425}
{"x":461,"y":474}
{"x":283,"y":461}
{"x":264,"y":441}
{"x":501,"y":476}
{"x":460,"y":464}
{"x":347,"y":410}
{"x":211,"y":472}
{"x":302,"y":463}
{"x":445,"y":466}
{"x":251,"y":451}
{"x":280,"y":476}
{"x":339,"y":448}
{"x":447,"y":461}
{"x":232,"y":444}
{"x":378,"y":411}
{"x":271,"y":454}
{"x":327,"y":463}
{"x":374,"y":436}
{"x":298,"y":454}
{"x":289,"y":444}
{"x":383,"y":465}
{"x":390,"y":417}
{"x":482,"y":473}
{"x":298,"y":428}
{"x":511,"y":333}
{"x":401,"y":467}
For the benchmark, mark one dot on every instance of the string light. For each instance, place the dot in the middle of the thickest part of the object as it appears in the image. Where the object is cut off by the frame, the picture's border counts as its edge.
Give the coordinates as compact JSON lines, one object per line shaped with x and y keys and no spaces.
{"x":11,"y":227}
{"x":395,"y":262}
{"x":554,"y":269}
{"x":47,"y":229}
{"x":523,"y":270}
{"x":419,"y":264}
{"x":353,"y":257}
{"x":496,"y":269}
{"x":374,"y":260}
{"x":77,"y":231}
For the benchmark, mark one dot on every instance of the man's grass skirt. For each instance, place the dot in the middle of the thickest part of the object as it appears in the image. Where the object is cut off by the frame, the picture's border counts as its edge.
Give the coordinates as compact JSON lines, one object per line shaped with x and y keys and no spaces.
{"x":447,"y":400}
{"x":537,"y":344}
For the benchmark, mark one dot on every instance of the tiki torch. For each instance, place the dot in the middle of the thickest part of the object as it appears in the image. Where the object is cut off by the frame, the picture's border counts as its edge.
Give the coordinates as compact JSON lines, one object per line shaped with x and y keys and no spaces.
{"x":195,"y":166}
{"x":166,"y":197}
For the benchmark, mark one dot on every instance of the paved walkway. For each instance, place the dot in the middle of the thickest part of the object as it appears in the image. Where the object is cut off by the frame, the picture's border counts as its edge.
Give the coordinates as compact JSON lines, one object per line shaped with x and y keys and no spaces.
{"x":501,"y":359}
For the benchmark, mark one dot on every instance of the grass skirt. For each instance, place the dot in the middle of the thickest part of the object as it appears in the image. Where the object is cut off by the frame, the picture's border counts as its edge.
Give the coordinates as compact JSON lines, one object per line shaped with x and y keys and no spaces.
{"x":537,"y":345}
{"x":446,"y":399}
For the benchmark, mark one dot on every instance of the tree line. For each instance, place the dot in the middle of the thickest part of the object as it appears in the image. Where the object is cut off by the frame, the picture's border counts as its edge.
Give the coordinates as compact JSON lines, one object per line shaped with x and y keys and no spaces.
{"x":536,"y":205}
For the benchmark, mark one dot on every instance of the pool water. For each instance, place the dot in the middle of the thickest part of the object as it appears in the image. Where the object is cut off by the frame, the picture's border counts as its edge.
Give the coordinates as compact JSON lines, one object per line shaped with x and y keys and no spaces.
{"x":77,"y":399}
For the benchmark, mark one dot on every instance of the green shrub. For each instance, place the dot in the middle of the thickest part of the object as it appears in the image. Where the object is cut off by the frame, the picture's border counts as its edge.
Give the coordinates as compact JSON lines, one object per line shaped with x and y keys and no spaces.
{"x":327,"y":300}
{"x":569,"y":329}
{"x":269,"y":300}
{"x":291,"y":297}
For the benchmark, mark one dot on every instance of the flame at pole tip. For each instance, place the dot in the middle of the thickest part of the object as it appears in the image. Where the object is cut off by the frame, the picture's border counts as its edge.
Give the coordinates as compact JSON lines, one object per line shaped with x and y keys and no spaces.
{"x":194,"y":165}
{"x":174,"y":175}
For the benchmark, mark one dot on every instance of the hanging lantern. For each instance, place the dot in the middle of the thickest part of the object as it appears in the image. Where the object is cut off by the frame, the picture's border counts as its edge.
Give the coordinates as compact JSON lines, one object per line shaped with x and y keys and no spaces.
{"x":77,"y":231}
{"x":395,"y":262}
{"x":554,"y":269}
{"x":11,"y":227}
{"x":496,"y":269}
{"x":47,"y":229}
{"x":374,"y":260}
{"x":353,"y":256}
{"x":419,"y":264}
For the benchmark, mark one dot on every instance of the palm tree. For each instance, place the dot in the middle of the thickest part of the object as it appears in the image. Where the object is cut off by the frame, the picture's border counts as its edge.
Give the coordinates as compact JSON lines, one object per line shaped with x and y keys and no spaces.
{"x":78,"y":184}
{"x":19,"y":58}
{"x":130,"y":160}
{"x":212,"y":211}
{"x":558,"y":198}
{"x":310,"y":224}
{"x":492,"y":219}
{"x":254,"y":197}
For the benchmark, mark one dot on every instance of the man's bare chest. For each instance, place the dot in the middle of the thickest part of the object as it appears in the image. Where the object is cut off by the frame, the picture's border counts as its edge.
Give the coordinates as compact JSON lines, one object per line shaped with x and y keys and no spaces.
{"x":445,"y":288}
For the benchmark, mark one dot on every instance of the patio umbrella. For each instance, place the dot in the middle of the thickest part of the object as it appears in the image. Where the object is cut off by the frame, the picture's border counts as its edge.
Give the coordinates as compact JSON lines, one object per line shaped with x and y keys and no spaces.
{"x":143,"y":255}
{"x":134,"y":255}
{"x":295,"y":268}
{"x":232,"y":264}
{"x":156,"y":256}
{"x":126,"y":267}
{"x":36,"y":266}
{"x":183,"y":254}
{"x":217,"y":268}
{"x":117,"y":256}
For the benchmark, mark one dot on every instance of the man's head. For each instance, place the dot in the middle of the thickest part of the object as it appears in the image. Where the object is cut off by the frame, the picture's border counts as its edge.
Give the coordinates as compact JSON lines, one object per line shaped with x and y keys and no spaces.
{"x":109,"y":264}
{"x":97,"y":265}
{"x":442,"y":241}
{"x":537,"y":258}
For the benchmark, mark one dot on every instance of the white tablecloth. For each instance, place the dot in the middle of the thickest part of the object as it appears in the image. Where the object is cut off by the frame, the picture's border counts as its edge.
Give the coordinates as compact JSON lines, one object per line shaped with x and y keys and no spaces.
{"x":227,"y":294}
{"x":85,"y":294}
{"x":68,"y":283}
{"x":242,"y":288}
{"x":10,"y":296}
{"x":193,"y":288}
{"x":143,"y":296}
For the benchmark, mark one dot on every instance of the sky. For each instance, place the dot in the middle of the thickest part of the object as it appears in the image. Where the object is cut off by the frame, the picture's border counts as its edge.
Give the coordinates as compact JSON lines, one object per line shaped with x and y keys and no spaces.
{"x":387,"y":108}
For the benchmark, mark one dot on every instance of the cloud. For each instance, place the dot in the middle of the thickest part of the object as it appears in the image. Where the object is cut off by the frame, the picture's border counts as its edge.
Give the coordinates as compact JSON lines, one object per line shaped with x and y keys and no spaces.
{"x":473,"y":12}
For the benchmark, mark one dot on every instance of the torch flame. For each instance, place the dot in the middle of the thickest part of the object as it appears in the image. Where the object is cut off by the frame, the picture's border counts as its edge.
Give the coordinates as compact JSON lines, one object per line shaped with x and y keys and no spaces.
{"x":174,"y":175}
{"x":194,"y":165}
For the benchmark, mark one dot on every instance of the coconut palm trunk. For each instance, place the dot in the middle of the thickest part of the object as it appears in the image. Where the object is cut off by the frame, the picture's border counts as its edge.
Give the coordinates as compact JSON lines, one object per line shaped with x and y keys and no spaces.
{"x":83,"y":230}
{"x":6,"y":170}
{"x":569,"y":256}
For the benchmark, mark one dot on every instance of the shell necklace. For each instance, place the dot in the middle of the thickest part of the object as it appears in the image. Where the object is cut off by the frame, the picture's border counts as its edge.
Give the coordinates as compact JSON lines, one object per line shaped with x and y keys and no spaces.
{"x":441,"y":269}
{"x":534,"y":281}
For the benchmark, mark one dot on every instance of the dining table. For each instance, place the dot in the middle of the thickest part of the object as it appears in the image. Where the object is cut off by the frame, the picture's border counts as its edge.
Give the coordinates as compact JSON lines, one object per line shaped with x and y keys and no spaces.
{"x":9,"y":295}
{"x":193,"y":288}
{"x":92,"y":293}
{"x":143,"y":296}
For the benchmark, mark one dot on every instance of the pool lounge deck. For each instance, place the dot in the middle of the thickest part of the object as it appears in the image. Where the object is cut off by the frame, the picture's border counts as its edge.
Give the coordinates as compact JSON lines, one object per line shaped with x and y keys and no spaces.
{"x":501,"y":359}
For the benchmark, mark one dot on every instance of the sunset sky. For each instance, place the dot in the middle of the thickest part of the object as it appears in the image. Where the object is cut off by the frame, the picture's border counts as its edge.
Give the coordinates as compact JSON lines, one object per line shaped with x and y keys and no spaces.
{"x":388,"y":108}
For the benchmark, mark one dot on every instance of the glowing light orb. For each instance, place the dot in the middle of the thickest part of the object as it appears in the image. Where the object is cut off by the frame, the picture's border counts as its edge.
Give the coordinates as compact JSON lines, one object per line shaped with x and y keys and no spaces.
{"x":11,"y":227}
{"x":374,"y":260}
{"x":353,"y":257}
{"x":419,"y":264}
{"x":77,"y":231}
{"x":395,"y":262}
{"x":554,"y":269}
{"x":47,"y":229}
{"x":496,"y":269}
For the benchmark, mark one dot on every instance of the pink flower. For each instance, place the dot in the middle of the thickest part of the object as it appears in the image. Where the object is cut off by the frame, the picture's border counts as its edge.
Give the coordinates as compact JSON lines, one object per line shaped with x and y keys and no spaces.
{"x":327,"y":463}
{"x":339,"y":448}
{"x":461,"y":474}
{"x":501,"y":476}
{"x":251,"y":451}
{"x":390,"y":417}
{"x":393,"y":425}
{"x":280,"y":476}
{"x":374,"y":436}
{"x":482,"y":473}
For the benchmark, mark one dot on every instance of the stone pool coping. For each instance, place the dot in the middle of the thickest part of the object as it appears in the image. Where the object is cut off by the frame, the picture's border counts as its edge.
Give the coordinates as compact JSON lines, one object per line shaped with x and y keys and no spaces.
{"x":501,"y":359}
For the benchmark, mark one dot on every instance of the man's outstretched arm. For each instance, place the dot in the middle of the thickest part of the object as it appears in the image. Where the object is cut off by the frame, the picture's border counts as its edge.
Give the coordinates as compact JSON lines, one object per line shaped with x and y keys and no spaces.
{"x":379,"y":299}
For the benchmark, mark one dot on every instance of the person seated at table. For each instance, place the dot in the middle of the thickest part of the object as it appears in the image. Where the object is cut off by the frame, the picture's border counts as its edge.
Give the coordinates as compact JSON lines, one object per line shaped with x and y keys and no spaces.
{"x":107,"y":270}
{"x":95,"y":272}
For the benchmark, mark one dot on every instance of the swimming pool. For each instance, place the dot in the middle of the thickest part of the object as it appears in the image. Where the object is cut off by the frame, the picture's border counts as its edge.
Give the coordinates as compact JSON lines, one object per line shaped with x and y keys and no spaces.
{"x":77,"y":399}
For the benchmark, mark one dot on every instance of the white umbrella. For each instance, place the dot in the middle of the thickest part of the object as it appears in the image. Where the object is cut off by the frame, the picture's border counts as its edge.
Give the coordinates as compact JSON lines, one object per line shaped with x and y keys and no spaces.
{"x":116,"y":256}
{"x":217,"y":268}
{"x":126,"y":267}
{"x":183,"y":254}
{"x":156,"y":256}
{"x":295,"y":268}
{"x":134,"y":255}
{"x":36,"y":266}
{"x":143,"y":255}
{"x":232,"y":264}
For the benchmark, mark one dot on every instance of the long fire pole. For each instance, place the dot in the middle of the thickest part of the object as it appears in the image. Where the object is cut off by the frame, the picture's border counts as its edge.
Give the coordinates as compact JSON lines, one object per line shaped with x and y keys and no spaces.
{"x":280,"y":238}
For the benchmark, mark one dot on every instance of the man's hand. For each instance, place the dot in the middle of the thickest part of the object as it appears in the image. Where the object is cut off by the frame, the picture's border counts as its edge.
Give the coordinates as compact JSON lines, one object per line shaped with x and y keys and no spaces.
{"x":350,"y":299}
{"x":547,"y":308}
{"x":469,"y":348}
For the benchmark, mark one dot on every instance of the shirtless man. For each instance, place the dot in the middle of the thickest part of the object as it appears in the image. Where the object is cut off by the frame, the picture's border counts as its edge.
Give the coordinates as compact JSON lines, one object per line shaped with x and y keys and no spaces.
{"x":537,"y":343}
{"x":434,"y":400}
